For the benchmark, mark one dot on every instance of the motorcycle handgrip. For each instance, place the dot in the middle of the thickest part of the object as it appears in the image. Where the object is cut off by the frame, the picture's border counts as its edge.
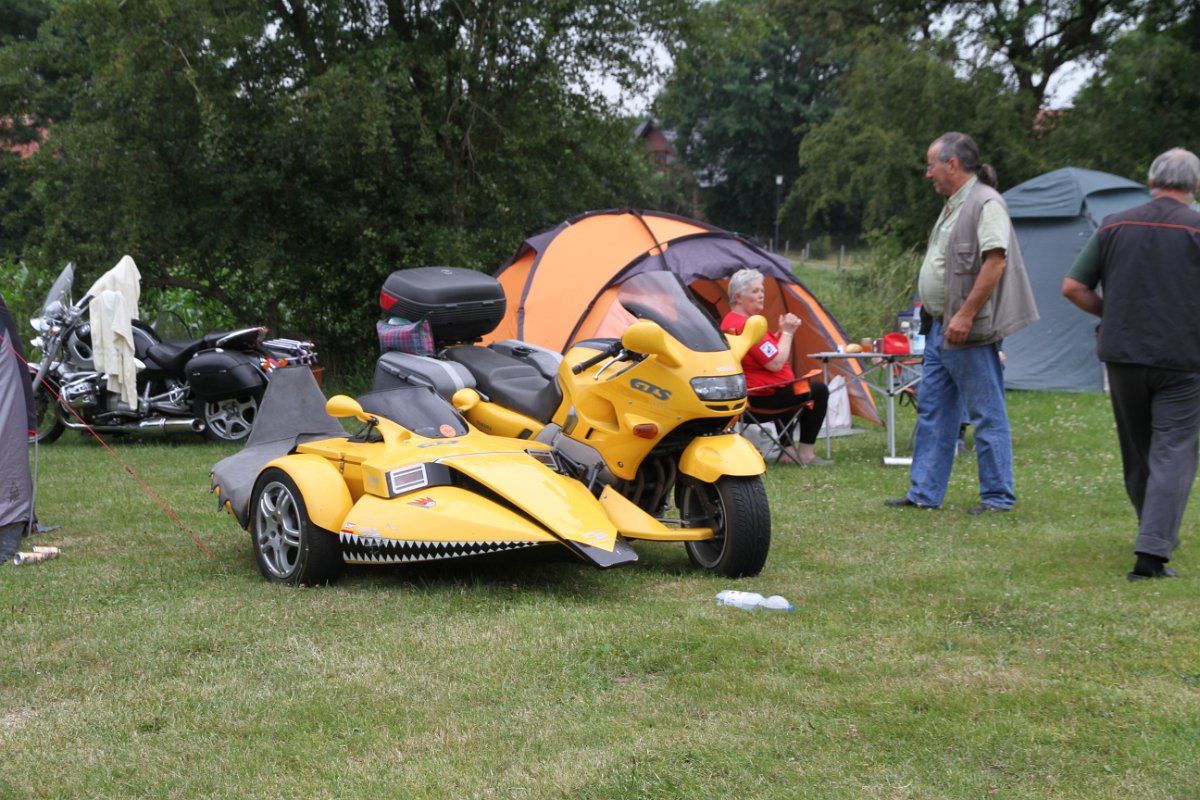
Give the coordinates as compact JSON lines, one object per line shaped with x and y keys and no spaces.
{"x":596,"y":359}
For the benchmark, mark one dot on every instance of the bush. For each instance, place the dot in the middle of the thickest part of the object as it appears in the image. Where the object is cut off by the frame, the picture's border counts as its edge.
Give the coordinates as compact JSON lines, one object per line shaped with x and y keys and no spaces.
{"x":866,"y":298}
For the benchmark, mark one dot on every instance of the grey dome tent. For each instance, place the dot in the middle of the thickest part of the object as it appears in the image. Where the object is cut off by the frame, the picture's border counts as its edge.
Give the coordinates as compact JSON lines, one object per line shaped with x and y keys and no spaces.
{"x":1054,"y":215}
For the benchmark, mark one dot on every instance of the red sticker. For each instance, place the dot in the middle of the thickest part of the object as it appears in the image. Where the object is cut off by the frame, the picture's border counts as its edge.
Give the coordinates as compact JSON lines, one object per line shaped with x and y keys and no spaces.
{"x":447,"y":429}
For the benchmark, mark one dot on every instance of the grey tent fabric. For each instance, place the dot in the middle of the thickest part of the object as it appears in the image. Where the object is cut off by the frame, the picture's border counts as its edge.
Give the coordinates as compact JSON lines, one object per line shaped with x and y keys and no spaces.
{"x":292,"y":411}
{"x":16,"y":485}
{"x":1054,"y":215}
{"x":8,"y":331}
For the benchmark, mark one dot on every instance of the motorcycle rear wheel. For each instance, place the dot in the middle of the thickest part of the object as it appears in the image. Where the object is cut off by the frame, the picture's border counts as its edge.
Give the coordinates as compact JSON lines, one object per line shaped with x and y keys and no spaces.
{"x":737,"y":510}
{"x":229,"y":420}
{"x":50,"y":423}
{"x":289,"y":547}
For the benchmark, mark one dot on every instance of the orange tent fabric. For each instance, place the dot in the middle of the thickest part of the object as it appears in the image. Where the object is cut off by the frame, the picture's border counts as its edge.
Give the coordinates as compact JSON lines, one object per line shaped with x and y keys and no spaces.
{"x":560,"y":285}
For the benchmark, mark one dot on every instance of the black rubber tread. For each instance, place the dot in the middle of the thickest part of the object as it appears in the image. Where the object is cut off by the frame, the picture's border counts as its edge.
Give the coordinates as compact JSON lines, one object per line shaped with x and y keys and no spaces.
{"x":740,"y":514}
{"x":319,"y":557}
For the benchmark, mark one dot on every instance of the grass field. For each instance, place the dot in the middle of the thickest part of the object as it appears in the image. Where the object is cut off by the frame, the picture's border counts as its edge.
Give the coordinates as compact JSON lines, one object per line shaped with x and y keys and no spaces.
{"x":931,"y":655}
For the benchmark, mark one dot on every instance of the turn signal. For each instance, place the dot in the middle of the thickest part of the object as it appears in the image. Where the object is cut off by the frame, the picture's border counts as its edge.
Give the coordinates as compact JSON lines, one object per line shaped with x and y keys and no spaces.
{"x":646,"y":430}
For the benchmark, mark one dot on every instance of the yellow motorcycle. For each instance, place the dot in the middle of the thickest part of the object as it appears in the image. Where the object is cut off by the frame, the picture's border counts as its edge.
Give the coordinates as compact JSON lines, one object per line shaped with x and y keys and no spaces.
{"x":416,"y":483}
{"x":649,"y":413}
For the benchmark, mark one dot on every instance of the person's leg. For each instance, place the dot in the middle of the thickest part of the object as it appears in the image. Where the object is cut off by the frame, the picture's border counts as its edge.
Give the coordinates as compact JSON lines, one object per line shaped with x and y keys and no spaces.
{"x":1129,"y":393}
{"x":980,"y":378}
{"x":1175,"y":422}
{"x":812,"y":416}
{"x":938,"y":416}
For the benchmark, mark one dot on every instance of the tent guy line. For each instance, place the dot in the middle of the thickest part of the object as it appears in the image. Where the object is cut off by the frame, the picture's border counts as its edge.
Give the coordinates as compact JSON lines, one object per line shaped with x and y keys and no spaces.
{"x":145,"y":486}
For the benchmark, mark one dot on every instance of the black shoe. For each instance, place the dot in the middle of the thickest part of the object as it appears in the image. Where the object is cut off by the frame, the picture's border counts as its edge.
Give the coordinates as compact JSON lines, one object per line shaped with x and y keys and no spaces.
{"x":984,"y":508}
{"x":905,"y":502}
{"x":1161,"y":572}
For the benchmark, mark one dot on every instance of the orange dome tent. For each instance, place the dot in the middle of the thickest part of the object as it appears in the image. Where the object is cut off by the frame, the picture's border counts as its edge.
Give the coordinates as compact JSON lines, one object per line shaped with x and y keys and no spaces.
{"x":561,"y":284}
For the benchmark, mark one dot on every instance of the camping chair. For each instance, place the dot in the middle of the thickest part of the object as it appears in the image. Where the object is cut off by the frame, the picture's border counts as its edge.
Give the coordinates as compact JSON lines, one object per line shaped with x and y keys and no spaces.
{"x":777,"y":425}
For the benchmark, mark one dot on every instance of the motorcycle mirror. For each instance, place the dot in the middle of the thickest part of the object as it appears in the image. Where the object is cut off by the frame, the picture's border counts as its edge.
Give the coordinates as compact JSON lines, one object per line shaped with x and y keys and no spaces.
{"x":647,"y":337}
{"x":342,"y":406}
{"x":752,"y":333}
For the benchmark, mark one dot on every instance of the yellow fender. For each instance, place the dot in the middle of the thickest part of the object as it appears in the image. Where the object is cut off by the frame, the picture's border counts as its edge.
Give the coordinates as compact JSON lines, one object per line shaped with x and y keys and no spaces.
{"x":709,"y":457}
{"x":324,"y":489}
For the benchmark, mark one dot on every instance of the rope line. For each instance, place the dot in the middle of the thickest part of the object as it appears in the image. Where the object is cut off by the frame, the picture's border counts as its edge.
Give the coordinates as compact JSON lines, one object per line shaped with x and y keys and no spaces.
{"x":145,"y":486}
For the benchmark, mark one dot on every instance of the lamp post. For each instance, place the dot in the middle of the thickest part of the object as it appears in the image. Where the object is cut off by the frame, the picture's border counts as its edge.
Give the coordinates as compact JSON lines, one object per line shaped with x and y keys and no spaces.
{"x":778,"y":192}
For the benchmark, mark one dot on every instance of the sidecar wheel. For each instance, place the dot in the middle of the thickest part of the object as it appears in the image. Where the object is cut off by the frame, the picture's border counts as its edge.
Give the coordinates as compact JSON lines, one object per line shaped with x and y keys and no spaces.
{"x":50,"y":424}
{"x":229,"y":420}
{"x":737,"y":510}
{"x":289,"y":548}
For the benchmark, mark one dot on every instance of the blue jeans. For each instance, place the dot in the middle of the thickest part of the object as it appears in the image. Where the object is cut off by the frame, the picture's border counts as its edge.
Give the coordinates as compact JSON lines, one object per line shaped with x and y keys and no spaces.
{"x":969,"y":377}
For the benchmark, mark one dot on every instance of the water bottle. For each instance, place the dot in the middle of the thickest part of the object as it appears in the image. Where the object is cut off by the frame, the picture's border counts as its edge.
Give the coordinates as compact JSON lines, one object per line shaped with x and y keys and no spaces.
{"x":752,"y":601}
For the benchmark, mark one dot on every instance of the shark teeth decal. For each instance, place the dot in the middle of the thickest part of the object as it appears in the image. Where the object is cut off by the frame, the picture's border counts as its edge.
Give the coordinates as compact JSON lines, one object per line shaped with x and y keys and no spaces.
{"x":377,"y":550}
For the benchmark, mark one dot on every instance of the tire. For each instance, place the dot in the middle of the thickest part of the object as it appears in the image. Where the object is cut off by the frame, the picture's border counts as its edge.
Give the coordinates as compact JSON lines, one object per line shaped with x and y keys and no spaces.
{"x":50,"y":423}
{"x":737,"y":510}
{"x":229,"y":420}
{"x":289,"y":548}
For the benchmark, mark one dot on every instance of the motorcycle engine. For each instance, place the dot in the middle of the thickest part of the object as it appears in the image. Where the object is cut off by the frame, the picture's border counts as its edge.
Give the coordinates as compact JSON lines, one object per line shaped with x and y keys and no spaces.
{"x":83,"y":392}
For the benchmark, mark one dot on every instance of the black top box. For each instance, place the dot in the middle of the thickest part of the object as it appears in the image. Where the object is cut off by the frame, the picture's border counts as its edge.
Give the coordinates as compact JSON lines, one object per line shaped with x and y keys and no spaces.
{"x":461,"y":304}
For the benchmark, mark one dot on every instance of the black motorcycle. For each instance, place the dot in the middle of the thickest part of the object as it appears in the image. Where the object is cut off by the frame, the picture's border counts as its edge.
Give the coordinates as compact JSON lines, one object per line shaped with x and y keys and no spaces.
{"x":209,"y":385}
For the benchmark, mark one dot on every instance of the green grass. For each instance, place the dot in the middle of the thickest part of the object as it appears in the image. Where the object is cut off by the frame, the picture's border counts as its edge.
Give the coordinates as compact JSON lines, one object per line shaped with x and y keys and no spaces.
{"x":932,"y":654}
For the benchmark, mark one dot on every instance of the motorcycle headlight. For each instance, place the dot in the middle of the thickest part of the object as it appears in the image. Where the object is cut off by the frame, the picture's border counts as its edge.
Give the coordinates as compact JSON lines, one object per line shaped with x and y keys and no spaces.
{"x":407,"y":479}
{"x":725,"y":387}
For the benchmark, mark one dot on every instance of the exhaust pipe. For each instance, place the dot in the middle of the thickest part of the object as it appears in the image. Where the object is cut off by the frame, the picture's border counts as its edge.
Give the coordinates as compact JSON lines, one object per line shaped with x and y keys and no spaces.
{"x":157,"y":425}
{"x":192,"y":424}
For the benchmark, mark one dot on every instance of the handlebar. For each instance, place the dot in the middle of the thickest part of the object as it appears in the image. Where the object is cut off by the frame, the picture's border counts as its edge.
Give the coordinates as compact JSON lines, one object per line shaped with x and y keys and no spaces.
{"x":608,"y":352}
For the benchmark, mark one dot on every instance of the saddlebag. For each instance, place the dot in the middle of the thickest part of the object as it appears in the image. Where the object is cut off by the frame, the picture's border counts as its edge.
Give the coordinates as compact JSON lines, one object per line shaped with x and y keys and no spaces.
{"x":397,"y":369}
{"x":461,"y":305}
{"x":222,"y":374}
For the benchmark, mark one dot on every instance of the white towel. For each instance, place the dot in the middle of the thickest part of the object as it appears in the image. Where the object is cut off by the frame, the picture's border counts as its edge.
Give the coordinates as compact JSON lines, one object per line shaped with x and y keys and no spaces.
{"x":113,"y":309}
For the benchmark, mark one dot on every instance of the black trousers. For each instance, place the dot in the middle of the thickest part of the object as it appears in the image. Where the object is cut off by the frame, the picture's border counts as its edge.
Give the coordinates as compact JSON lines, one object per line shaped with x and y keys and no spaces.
{"x":1158,"y":419}
{"x":785,"y":399}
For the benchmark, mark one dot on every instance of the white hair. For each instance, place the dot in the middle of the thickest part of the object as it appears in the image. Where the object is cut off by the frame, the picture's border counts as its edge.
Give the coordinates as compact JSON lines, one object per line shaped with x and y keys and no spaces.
{"x":741,"y":281}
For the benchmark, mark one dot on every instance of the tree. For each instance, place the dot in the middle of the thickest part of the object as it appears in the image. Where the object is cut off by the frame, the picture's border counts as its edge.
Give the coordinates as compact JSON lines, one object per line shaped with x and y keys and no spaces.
{"x":1136,"y":106}
{"x":867,"y":163}
{"x":1030,"y":42}
{"x":743,"y":91}
{"x":282,"y":158}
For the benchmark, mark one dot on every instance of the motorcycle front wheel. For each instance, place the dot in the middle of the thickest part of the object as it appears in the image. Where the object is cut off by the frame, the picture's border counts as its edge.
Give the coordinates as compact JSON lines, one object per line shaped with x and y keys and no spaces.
{"x":289,"y":547}
{"x":229,"y":420}
{"x":737,"y":510}
{"x":50,"y":424}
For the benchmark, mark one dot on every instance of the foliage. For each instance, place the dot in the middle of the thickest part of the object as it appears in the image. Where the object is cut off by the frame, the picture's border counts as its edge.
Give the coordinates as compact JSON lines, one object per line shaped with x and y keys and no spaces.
{"x":867,"y":163}
{"x":867,"y":296}
{"x":743,"y":91}
{"x":282,"y":159}
{"x":932,"y":654}
{"x":1031,"y":42}
{"x":1135,"y":107}
{"x":19,"y":19}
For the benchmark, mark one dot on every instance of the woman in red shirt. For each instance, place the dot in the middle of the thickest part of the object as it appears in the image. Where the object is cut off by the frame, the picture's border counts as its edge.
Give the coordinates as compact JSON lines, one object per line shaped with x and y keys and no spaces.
{"x":768,"y":368}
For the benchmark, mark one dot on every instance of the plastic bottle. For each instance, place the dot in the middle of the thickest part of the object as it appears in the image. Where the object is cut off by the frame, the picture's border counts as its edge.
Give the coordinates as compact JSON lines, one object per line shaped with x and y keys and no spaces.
{"x":752,"y":601}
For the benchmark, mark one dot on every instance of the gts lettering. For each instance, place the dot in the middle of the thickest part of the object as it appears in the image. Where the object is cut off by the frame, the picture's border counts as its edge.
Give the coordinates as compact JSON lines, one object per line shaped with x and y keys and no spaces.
{"x":656,"y":392}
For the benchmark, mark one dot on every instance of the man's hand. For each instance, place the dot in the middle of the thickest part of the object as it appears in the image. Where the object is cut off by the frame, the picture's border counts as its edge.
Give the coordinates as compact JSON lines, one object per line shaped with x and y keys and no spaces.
{"x":960,"y":327}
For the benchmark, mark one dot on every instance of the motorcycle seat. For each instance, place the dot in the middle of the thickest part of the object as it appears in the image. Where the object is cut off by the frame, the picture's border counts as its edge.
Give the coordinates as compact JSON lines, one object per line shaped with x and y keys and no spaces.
{"x":509,"y":381}
{"x":172,"y":354}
